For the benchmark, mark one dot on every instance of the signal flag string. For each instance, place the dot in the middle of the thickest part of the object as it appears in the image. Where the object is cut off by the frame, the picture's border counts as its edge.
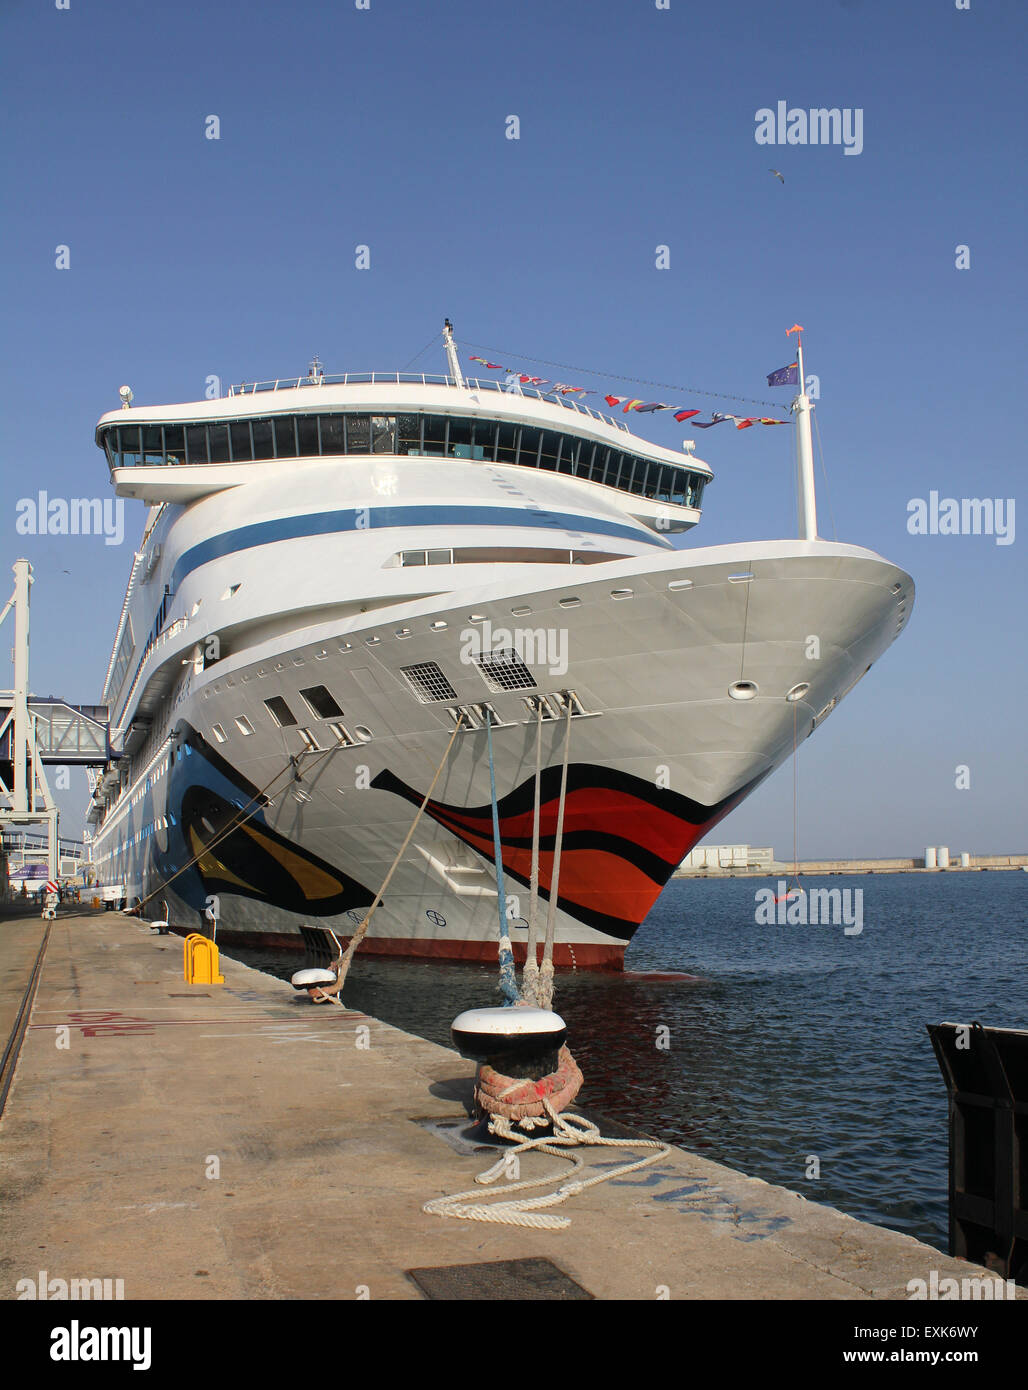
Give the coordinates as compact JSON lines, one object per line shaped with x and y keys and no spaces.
{"x":639,"y":381}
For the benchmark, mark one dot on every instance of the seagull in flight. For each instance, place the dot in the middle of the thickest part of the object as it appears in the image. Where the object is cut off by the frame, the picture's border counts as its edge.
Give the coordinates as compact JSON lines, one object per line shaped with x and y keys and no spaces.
{"x":777,"y":174}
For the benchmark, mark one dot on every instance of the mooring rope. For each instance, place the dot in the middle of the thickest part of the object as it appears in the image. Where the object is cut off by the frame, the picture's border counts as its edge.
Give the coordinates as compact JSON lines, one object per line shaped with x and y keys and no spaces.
{"x":508,"y":980}
{"x":568,"y":1131}
{"x":343,"y":966}
{"x":544,"y":988}
{"x":530,"y":977}
{"x":523,"y":1101}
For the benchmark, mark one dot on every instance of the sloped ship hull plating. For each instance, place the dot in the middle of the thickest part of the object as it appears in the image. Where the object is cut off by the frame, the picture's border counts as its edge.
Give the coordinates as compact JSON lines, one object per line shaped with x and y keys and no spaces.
{"x":694,"y":673}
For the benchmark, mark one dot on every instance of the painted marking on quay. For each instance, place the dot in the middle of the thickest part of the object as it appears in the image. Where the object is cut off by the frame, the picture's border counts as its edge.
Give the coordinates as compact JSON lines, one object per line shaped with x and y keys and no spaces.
{"x":698,"y":1197}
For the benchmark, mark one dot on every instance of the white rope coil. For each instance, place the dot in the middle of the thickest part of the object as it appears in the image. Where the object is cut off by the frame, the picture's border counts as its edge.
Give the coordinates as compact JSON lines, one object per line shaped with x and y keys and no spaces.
{"x":568,"y":1131}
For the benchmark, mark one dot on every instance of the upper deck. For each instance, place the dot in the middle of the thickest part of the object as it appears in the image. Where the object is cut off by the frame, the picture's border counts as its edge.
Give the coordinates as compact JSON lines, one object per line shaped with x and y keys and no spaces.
{"x":387,"y":413}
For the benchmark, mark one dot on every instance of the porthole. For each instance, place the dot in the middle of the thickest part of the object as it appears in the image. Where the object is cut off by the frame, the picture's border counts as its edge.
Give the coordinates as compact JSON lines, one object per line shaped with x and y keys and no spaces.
{"x":740,"y":578}
{"x":676,"y":584}
{"x":218,"y":732}
{"x":438,"y":625}
{"x":570,"y":602}
{"x":742,"y":690}
{"x":520,"y":612}
{"x":621,"y":593}
{"x":797,"y":692}
{"x":243,"y":725}
{"x":363,"y":733}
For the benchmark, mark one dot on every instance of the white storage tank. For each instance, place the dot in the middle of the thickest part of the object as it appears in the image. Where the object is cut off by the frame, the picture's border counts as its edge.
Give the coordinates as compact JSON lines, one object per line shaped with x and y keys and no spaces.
{"x":965,"y":859}
{"x":930,"y":859}
{"x":943,"y":857}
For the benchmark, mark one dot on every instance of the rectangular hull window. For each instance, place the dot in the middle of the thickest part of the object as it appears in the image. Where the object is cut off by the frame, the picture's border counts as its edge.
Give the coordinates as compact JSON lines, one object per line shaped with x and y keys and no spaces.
{"x":321,"y":702}
{"x":280,"y":712}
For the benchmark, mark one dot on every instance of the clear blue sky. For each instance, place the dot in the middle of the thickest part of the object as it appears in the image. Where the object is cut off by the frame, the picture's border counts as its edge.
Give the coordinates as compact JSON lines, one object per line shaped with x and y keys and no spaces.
{"x":385,"y":127}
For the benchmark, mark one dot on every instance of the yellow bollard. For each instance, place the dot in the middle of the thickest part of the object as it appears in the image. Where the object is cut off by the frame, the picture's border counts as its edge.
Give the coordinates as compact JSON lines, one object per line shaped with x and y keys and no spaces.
{"x":200,"y":961}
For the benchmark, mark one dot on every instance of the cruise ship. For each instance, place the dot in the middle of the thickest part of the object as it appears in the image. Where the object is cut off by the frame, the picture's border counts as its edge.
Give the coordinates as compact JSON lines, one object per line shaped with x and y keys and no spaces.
{"x":350,"y":587}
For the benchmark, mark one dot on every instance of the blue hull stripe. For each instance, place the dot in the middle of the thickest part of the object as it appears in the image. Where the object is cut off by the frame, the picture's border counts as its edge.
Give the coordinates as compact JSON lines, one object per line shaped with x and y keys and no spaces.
{"x":290,"y":528}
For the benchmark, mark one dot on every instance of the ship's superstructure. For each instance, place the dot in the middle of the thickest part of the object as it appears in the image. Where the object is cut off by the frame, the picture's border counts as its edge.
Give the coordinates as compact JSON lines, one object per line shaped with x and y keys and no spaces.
{"x":335,"y":568}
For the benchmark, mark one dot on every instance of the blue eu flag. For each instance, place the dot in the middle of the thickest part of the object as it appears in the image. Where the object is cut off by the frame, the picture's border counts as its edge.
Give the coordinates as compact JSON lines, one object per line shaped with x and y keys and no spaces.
{"x":785,"y":376}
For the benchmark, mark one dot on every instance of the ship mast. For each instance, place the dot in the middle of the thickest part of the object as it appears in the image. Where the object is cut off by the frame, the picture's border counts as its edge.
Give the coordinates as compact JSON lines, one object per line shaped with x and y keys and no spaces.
{"x":806,"y":503}
{"x":451,"y":354}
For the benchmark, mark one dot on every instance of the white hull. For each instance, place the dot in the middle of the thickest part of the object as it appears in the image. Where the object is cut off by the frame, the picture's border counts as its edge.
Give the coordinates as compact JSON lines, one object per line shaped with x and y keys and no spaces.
{"x":668,"y":752}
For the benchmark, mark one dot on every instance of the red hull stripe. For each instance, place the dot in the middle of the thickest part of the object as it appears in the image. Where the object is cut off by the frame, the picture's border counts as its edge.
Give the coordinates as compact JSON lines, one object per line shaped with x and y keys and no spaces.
{"x":623,"y":838}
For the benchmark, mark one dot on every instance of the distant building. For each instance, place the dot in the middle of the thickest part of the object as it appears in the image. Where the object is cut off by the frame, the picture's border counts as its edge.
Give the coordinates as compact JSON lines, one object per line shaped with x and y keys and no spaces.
{"x":728,"y":857}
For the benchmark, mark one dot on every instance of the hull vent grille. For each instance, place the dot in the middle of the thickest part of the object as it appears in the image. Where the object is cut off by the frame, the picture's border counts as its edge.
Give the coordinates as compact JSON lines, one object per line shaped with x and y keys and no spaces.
{"x":503,"y":669}
{"x":428,"y":683}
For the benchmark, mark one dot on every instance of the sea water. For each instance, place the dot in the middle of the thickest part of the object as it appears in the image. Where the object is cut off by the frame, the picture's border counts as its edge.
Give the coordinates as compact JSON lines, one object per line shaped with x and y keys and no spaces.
{"x":799,"y":1053}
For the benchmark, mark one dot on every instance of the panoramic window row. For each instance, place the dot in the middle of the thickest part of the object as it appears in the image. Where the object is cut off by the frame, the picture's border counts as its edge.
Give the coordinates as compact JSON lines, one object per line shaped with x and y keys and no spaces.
{"x":413,"y":435}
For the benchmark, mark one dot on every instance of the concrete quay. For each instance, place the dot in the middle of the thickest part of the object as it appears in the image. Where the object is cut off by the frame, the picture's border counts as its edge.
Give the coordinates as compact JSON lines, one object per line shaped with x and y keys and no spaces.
{"x":237,"y":1142}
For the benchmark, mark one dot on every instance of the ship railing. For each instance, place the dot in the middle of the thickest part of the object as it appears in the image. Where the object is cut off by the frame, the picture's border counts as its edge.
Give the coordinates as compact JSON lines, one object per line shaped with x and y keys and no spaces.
{"x":293,"y":383}
{"x":160,"y":640}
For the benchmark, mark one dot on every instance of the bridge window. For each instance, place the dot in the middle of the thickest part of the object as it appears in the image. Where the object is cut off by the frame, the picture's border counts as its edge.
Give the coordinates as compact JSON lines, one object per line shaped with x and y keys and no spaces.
{"x":483,"y":444}
{"x":307,"y":435}
{"x":358,"y":434}
{"x":549,"y":449}
{"x":285,"y":437}
{"x":196,"y":444}
{"x":153,"y":444}
{"x":528,"y":447}
{"x":240,"y":441}
{"x":506,"y":443}
{"x":459,"y":442}
{"x":217,"y":442}
{"x":263,"y":443}
{"x":174,"y":444}
{"x":383,"y":434}
{"x":333,"y":438}
{"x":435,"y":435}
{"x":129,"y":443}
{"x":408,"y":428}
{"x":411,"y":434}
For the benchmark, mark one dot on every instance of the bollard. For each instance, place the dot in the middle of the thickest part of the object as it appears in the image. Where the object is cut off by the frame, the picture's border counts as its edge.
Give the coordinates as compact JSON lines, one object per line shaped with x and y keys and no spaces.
{"x":200,"y":961}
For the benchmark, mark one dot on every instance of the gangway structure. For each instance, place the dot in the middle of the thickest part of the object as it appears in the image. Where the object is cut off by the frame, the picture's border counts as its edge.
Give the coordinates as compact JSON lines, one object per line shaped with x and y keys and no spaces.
{"x":37,"y":732}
